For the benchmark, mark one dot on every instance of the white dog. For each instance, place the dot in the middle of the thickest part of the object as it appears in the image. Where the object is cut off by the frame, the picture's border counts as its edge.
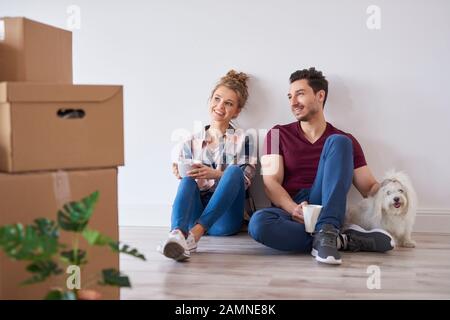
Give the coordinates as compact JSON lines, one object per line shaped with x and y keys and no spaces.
{"x":392,"y":208}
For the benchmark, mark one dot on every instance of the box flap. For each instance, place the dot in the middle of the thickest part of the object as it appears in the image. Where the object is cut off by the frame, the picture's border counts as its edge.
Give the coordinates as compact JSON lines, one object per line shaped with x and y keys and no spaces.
{"x":46,"y":92}
{"x":28,"y":20}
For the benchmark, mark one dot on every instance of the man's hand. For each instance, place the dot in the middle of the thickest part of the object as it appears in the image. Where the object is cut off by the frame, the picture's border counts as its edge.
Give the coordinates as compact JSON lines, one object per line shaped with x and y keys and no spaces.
{"x":297,"y":213}
{"x":201,"y":171}
{"x":175,"y":170}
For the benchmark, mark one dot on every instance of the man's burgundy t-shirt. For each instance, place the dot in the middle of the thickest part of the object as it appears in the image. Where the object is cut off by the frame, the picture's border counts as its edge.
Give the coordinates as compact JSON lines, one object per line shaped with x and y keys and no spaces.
{"x":301,"y":157}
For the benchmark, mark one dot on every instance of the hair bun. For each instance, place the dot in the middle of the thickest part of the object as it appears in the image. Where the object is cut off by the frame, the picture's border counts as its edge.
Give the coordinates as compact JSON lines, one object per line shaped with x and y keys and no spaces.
{"x":236,"y":76}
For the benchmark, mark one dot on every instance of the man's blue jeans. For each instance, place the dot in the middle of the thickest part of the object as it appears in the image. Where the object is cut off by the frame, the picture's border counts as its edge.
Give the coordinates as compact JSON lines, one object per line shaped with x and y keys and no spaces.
{"x":220,"y":213}
{"x":274,"y":226}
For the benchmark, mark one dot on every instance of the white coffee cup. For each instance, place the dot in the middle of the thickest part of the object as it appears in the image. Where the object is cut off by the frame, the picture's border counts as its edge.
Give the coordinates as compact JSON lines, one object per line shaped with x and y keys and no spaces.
{"x":186,"y":165}
{"x":310,"y":215}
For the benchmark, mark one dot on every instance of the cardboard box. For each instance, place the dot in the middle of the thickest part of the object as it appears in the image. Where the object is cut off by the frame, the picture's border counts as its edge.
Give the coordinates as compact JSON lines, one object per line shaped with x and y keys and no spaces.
{"x":35,"y":52}
{"x":58,"y":126}
{"x":25,"y":197}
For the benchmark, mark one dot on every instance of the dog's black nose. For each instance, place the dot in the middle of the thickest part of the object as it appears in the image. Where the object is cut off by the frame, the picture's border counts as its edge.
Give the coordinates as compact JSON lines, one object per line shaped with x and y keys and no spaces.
{"x":396,"y":199}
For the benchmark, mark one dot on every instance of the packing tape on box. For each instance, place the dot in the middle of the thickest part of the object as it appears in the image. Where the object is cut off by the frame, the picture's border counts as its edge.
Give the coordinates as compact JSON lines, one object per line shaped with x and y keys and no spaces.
{"x":2,"y":30}
{"x":61,"y":188}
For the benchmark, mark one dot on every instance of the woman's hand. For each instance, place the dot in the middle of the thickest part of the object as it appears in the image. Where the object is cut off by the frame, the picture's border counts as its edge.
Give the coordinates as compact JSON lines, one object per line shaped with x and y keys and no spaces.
{"x":297,"y":213}
{"x":175,"y":170}
{"x":201,"y":171}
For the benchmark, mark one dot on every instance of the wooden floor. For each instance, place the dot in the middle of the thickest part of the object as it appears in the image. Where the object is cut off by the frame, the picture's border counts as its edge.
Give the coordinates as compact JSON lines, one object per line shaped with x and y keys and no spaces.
{"x":237,"y":267}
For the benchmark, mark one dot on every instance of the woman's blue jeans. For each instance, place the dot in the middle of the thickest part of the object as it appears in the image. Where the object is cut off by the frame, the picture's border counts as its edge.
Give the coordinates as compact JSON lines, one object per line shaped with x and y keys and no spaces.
{"x":274,"y":226}
{"x":220,"y":212}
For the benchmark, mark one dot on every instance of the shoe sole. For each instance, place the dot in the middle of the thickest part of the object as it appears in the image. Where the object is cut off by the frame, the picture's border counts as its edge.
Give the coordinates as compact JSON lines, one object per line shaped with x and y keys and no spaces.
{"x":193,"y":250}
{"x":175,"y":251}
{"x":357,"y":228}
{"x":328,"y":260}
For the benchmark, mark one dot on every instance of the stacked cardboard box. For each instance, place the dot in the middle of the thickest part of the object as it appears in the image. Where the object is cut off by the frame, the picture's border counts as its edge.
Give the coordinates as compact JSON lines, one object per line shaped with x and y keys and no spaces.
{"x":59,"y":142}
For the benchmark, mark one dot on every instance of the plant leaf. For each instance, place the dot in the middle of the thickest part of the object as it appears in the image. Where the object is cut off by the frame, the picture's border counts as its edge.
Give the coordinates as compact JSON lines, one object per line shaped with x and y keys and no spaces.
{"x":48,"y":233}
{"x":74,"y":216}
{"x":94,"y":237}
{"x":113,"y":277}
{"x":124,"y":248}
{"x":38,"y":241}
{"x":41,"y":270}
{"x":69,"y":257}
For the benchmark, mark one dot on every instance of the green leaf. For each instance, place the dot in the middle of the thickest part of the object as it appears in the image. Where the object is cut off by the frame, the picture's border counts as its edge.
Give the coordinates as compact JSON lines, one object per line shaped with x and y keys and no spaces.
{"x":38,"y":241}
{"x":47,"y":227}
{"x":54,"y":295}
{"x":113,"y":277}
{"x":124,"y":248}
{"x":41,"y":270}
{"x":48,"y":233}
{"x":60,"y":295}
{"x":75,"y":216}
{"x":71,"y":258}
{"x":94,"y":237}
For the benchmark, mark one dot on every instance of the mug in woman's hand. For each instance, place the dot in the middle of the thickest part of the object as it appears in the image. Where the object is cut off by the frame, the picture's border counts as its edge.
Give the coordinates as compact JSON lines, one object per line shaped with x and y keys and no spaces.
{"x":186,"y":165}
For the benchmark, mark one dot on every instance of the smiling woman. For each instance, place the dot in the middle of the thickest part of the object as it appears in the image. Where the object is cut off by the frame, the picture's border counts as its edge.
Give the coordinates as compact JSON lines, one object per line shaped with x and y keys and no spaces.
{"x":216,"y":166}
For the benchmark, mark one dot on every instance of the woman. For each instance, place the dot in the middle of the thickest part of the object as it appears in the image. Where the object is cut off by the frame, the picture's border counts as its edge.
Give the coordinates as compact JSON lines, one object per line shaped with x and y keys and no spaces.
{"x":210,"y":198}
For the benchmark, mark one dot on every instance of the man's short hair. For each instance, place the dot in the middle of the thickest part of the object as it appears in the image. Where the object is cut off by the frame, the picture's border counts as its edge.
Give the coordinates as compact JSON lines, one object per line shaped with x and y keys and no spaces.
{"x":315,"y":79}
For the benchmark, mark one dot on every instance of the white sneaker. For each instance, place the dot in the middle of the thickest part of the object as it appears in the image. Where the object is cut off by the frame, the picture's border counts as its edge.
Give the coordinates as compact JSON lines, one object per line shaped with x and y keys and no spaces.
{"x":191,"y":244}
{"x":175,"y":247}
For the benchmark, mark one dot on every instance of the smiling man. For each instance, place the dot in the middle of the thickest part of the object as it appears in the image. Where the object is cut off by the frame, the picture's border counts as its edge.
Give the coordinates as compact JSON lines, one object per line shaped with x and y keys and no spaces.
{"x":313,"y":162}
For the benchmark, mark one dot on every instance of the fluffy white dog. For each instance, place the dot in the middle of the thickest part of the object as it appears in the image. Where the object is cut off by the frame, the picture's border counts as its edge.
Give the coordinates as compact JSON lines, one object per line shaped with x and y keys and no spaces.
{"x":392,"y":208}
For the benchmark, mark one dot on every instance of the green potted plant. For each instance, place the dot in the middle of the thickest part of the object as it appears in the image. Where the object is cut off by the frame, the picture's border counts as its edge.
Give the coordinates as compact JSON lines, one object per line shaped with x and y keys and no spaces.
{"x":39,"y":244}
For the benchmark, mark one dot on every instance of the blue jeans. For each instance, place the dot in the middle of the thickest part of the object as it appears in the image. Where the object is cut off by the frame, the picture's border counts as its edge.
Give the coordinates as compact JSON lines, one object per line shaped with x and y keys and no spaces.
{"x":274,"y":226}
{"x":220,"y":213}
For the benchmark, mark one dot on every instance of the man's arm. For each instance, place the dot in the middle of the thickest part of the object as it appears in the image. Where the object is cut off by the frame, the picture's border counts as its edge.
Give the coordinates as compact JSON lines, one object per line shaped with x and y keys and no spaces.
{"x":365,"y":182}
{"x":273,"y":174}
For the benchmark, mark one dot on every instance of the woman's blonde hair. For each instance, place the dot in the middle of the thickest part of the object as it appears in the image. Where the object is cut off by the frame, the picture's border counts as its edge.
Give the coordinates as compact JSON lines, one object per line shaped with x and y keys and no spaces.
{"x":236,"y":81}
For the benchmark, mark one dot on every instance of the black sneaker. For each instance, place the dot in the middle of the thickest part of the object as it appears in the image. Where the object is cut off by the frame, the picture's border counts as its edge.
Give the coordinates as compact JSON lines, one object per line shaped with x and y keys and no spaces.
{"x":355,"y":238}
{"x":325,"y":245}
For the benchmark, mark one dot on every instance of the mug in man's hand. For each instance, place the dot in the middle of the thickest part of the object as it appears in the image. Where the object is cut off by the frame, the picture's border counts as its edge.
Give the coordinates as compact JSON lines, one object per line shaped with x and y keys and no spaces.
{"x":311,"y":213}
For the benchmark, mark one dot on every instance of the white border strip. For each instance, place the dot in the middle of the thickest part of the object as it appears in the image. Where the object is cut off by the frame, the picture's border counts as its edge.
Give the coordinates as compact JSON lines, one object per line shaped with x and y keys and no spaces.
{"x":2,"y":30}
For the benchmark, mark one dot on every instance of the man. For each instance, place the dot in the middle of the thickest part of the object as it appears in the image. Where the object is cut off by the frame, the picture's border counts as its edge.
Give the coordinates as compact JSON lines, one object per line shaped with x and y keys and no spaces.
{"x":310,"y":161}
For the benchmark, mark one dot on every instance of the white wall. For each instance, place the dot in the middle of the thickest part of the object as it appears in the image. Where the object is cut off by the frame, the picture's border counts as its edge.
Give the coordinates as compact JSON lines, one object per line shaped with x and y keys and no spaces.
{"x":388,"y":87}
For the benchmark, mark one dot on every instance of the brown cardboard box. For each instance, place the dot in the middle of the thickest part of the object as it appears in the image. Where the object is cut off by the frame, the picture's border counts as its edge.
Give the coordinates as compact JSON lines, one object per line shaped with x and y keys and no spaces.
{"x":35,"y":52}
{"x":59,"y":126}
{"x":25,"y":197}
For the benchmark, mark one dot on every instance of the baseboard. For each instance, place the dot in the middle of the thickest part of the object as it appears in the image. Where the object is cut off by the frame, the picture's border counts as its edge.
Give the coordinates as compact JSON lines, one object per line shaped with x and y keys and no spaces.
{"x":427,"y":220}
{"x":432,"y":220}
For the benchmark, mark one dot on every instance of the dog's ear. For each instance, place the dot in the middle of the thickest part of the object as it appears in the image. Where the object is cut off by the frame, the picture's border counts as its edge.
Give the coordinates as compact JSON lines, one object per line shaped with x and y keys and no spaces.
{"x":410,"y":194}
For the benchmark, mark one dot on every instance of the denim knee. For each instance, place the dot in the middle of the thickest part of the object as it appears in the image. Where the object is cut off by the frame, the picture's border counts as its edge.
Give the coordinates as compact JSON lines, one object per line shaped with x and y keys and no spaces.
{"x":228,"y":229}
{"x":339,"y":140}
{"x":256,"y":225}
{"x":261,"y":229}
{"x":233,"y":171}
{"x":188,"y":181}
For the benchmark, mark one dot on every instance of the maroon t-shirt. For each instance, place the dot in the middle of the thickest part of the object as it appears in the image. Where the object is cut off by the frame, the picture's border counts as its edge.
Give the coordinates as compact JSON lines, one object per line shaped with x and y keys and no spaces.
{"x":301,"y":157}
